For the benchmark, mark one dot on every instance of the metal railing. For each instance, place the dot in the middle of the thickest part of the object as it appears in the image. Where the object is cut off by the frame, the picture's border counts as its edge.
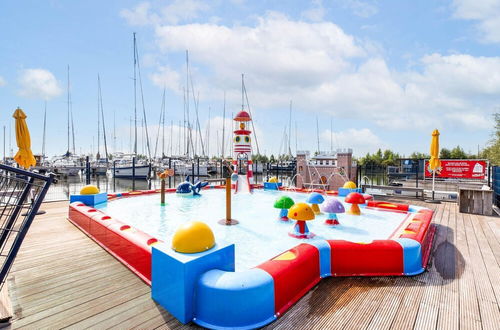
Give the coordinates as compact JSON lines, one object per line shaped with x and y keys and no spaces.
{"x":21,"y":194}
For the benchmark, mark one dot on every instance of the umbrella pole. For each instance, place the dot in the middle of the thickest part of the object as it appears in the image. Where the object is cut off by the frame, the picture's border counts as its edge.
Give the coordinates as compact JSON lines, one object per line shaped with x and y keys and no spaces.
{"x":432,"y":200}
{"x":433,"y":182}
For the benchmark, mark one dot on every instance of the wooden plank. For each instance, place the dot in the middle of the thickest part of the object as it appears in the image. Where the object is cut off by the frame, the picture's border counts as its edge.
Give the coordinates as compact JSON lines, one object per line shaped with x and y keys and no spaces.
{"x":469,"y":317}
{"x":428,"y":309}
{"x":490,"y":315}
{"x":449,"y":296}
{"x":492,"y":268}
{"x":5,"y":306}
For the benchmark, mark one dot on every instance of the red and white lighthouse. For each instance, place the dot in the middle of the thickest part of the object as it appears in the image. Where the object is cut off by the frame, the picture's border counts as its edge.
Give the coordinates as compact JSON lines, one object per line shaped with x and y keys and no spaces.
{"x":242,"y":147}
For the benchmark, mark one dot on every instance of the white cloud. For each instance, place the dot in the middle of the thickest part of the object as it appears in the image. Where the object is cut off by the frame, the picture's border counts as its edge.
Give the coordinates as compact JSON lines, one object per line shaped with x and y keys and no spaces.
{"x":361,"y":8}
{"x":316,"y":13}
{"x":362,"y":140}
{"x":166,"y":77}
{"x":175,"y":12}
{"x":485,"y":12}
{"x":139,"y":15}
{"x":38,"y":83}
{"x":2,"y":81}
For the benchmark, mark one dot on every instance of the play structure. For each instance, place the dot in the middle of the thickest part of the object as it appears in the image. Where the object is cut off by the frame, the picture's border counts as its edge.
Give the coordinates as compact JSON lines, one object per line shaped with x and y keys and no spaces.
{"x":196,"y":273}
{"x":186,"y":188}
{"x":242,"y":147}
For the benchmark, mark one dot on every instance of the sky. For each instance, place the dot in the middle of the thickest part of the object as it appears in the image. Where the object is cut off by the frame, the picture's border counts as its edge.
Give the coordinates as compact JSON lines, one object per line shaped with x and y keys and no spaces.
{"x":373,"y":74}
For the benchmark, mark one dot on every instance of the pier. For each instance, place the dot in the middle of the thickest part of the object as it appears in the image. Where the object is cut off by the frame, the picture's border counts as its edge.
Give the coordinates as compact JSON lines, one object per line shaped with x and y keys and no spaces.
{"x":63,"y":279}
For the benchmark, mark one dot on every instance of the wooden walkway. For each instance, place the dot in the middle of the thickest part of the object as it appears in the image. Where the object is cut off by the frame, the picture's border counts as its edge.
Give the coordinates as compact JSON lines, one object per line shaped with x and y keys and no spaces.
{"x":63,"y":279}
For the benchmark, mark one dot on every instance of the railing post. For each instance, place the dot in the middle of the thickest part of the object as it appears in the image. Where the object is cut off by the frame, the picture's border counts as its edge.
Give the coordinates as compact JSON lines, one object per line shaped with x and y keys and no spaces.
{"x":87,"y":170}
{"x":114,"y":179}
{"x":170,"y":177}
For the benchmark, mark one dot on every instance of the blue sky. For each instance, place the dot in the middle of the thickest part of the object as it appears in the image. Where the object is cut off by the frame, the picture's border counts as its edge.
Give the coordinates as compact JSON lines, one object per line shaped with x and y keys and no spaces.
{"x":384,"y":73}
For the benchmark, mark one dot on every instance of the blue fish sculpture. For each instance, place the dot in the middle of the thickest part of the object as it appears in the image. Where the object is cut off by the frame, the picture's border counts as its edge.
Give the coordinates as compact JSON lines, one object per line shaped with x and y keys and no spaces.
{"x":187,"y":188}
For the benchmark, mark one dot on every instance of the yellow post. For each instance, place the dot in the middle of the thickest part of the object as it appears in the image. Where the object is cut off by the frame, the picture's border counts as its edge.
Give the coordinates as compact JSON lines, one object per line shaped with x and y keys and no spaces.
{"x":228,"y":221}
{"x":162,"y":192}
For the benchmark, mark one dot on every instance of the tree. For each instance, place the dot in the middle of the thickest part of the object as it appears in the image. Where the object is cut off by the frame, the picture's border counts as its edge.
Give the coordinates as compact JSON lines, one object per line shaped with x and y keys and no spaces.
{"x":419,"y":155}
{"x":458,"y":153}
{"x":492,"y":151}
{"x":445,"y":153}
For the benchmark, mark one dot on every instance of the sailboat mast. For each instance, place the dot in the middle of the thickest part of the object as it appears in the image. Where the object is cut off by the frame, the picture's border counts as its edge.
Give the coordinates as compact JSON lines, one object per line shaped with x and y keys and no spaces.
{"x":43,"y":136}
{"x":103,"y":123}
{"x":68,"y":111}
{"x":163,"y":126}
{"x":98,"y":117}
{"x":72,"y":123}
{"x":223,"y":125}
{"x":187,"y":104}
{"x":242,"y":91}
{"x":290,"y":130}
{"x":135,"y":97}
{"x":114,"y":130}
{"x":171,"y":136}
{"x":331,"y":136}
{"x":296,"y":139}
{"x":208,"y":133}
{"x":317,"y":131}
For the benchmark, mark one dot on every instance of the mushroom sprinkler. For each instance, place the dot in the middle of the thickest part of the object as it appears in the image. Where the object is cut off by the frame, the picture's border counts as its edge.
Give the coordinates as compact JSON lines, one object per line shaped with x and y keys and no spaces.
{"x":314,"y":199}
{"x":332,"y":206}
{"x":355,"y":199}
{"x":301,"y":212}
{"x":284,"y":203}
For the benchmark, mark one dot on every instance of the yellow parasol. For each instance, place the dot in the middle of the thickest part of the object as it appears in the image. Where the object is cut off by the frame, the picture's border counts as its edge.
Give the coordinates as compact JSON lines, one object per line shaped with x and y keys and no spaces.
{"x":24,"y":156}
{"x":434,"y":162}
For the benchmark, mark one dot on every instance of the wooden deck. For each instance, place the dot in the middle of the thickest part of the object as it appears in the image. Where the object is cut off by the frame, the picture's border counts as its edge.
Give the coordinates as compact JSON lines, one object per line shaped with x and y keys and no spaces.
{"x":63,"y":279}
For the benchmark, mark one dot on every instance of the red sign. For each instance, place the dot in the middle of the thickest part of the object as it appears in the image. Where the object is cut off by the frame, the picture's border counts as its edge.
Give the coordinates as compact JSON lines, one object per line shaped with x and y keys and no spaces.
{"x":459,"y":169}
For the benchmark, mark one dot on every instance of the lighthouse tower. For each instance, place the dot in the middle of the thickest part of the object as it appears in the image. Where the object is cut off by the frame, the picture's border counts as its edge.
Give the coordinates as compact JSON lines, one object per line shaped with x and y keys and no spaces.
{"x":242,"y":146}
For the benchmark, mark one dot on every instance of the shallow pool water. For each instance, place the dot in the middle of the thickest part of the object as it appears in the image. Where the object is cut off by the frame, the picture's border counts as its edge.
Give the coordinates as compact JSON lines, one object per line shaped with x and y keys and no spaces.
{"x":260,"y":235}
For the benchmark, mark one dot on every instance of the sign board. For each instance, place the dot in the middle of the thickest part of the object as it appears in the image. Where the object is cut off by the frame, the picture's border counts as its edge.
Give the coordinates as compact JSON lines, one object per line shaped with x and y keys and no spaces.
{"x":459,"y":169}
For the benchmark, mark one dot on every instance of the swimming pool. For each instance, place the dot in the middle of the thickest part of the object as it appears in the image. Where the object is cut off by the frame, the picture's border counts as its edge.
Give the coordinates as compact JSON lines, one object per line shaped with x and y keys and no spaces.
{"x":256,"y":271}
{"x":260,"y":235}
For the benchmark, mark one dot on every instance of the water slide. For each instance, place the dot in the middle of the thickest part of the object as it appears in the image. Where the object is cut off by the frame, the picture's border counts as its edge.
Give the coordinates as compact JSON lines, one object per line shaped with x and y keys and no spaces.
{"x":242,"y":185}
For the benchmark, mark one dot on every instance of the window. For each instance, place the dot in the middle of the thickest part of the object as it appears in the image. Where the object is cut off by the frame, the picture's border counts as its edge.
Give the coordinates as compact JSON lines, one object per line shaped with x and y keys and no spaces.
{"x":321,"y":162}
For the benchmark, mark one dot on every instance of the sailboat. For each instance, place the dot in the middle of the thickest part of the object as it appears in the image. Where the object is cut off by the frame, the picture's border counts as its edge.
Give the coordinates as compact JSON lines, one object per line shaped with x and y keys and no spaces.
{"x":68,"y":164}
{"x":100,"y":165}
{"x":123,"y":166}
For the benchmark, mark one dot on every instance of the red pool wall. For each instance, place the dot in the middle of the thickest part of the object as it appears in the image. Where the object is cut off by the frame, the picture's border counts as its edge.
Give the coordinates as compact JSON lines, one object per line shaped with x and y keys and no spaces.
{"x":293,"y":278}
{"x":130,"y":246}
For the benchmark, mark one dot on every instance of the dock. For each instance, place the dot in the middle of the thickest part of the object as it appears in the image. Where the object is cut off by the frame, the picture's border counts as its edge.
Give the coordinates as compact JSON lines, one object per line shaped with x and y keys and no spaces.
{"x":62,"y":279}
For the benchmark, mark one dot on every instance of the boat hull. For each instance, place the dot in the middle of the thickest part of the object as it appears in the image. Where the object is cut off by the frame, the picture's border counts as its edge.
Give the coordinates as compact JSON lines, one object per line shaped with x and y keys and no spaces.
{"x":126,"y":172}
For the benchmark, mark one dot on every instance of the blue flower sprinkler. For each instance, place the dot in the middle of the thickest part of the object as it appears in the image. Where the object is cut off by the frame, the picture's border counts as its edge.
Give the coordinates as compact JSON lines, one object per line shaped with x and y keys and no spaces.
{"x":314,"y":199}
{"x":284,"y":203}
{"x":332,"y":206}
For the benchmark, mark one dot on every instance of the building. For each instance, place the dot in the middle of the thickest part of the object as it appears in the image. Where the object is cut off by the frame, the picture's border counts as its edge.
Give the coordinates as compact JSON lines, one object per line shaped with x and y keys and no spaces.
{"x":325,"y":170}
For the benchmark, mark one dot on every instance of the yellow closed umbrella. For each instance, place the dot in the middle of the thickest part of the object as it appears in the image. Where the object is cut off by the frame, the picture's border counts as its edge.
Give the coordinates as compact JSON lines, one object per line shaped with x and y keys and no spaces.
{"x":434,"y":162}
{"x":24,"y":156}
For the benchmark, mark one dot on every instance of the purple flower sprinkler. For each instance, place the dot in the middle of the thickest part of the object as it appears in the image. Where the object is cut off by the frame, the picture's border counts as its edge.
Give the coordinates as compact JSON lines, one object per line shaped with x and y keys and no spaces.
{"x":332,"y":206}
{"x":284,"y":203}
